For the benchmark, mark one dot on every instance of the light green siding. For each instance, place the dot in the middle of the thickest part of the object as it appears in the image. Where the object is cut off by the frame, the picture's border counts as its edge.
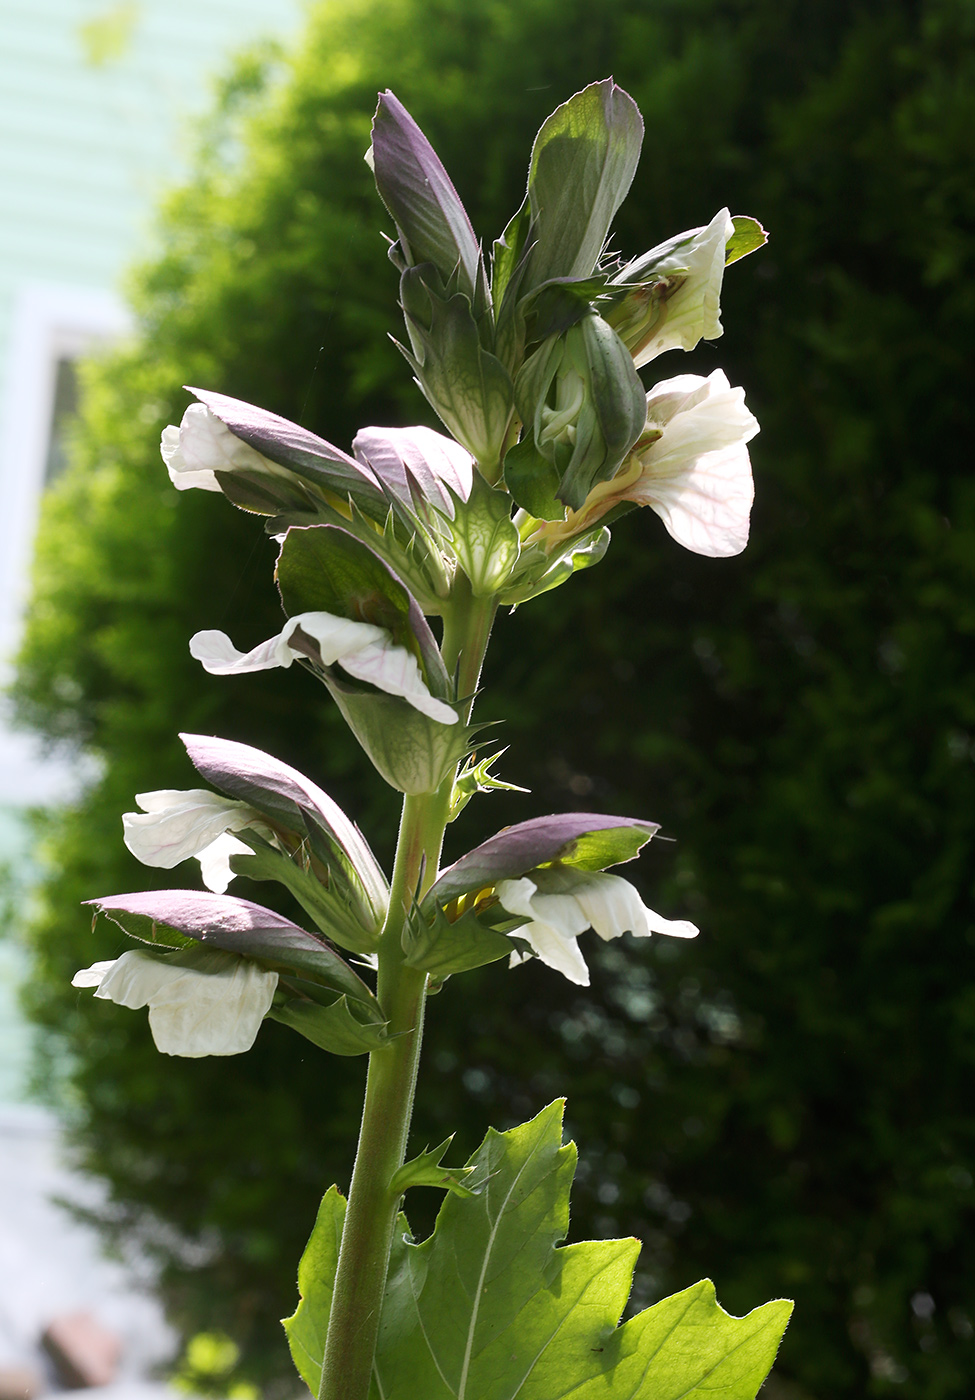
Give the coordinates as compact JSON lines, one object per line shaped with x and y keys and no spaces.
{"x":85,"y":146}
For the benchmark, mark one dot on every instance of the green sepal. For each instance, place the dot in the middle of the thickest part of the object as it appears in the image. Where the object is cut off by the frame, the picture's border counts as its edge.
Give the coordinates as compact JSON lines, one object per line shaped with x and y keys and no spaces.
{"x":484,"y":539}
{"x":335,"y":917}
{"x":532,"y":480}
{"x":597,"y":850}
{"x":463,"y":380}
{"x":559,"y":303}
{"x":343,"y":1027}
{"x":425,"y":1170}
{"x":264,"y":494}
{"x":435,"y":945}
{"x":747,"y":238}
{"x":509,"y":252}
{"x":545,"y":572}
{"x":620,"y":404}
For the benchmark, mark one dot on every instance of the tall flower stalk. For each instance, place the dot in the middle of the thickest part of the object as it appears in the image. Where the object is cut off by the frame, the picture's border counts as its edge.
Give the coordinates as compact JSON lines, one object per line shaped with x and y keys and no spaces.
{"x":530,"y":360}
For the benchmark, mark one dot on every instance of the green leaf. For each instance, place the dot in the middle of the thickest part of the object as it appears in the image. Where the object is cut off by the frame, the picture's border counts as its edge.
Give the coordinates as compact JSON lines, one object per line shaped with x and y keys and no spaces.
{"x":747,"y":237}
{"x":477,"y":777}
{"x":425,"y":1170}
{"x":583,"y":162}
{"x":306,"y":1327}
{"x":489,"y":1308}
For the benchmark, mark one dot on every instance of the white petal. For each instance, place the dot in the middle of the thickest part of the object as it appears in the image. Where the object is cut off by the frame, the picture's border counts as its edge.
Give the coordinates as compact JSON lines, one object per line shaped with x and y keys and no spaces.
{"x":212,"y":1013}
{"x":174,"y":826}
{"x":556,"y":951}
{"x":673,"y":928}
{"x":131,"y":979}
{"x":364,"y":650}
{"x":179,"y":473}
{"x":563,"y":903}
{"x":697,"y":475}
{"x":692,"y":312}
{"x":218,"y":655}
{"x":555,"y":923}
{"x":215,"y":861}
{"x":92,"y":976}
{"x":611,"y":905}
{"x":337,"y":637}
{"x":395,"y":670}
{"x":516,"y":896}
{"x":213,"y":1008}
{"x":202,"y":445}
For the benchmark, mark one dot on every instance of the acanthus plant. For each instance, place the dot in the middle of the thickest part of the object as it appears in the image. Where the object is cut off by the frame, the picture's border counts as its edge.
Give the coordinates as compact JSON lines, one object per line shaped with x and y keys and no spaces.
{"x":530,"y":360}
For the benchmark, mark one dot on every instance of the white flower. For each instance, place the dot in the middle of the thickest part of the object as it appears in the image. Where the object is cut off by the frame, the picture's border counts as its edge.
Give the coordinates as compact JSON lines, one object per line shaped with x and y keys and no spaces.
{"x":692,"y":312}
{"x":207,"y":1003}
{"x":561,"y":904}
{"x":202,"y":445}
{"x":697,"y":474}
{"x":175,"y":825}
{"x":691,"y":466}
{"x":364,"y":651}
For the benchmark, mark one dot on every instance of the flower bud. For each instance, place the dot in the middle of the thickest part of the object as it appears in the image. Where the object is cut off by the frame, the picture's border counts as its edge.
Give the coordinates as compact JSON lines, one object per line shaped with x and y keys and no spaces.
{"x":202,"y":445}
{"x":675,"y":298}
{"x":583,"y":404}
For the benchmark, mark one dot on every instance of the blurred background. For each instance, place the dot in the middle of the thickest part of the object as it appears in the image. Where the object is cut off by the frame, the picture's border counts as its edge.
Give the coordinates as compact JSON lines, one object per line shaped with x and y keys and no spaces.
{"x":785,"y":1104}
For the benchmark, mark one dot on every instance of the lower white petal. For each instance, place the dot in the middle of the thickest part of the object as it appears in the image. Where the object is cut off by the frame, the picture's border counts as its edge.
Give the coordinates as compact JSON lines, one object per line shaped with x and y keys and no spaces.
{"x":217,"y":654}
{"x":707,"y":508}
{"x":555,"y":923}
{"x":215,"y":861}
{"x":212,"y":1013}
{"x":395,"y":670}
{"x":92,"y":976}
{"x":212,"y":1008}
{"x":175,"y":825}
{"x":337,"y":637}
{"x":697,"y":475}
{"x":556,"y":950}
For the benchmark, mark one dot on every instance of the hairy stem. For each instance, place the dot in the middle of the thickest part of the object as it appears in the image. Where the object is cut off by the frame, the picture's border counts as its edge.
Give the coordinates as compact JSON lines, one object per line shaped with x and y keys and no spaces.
{"x":371,"y":1214}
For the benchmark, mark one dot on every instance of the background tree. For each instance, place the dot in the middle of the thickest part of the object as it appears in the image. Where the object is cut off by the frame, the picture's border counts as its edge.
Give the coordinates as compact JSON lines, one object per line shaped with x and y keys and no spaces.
{"x":781,"y":1104}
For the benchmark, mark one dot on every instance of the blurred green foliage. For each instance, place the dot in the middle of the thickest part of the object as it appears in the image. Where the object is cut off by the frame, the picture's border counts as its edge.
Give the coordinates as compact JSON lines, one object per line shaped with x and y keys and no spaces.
{"x":785,"y":1104}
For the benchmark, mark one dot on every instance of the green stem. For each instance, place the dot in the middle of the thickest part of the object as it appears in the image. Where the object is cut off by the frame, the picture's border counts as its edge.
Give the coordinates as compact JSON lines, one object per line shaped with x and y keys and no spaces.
{"x":370,"y":1218}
